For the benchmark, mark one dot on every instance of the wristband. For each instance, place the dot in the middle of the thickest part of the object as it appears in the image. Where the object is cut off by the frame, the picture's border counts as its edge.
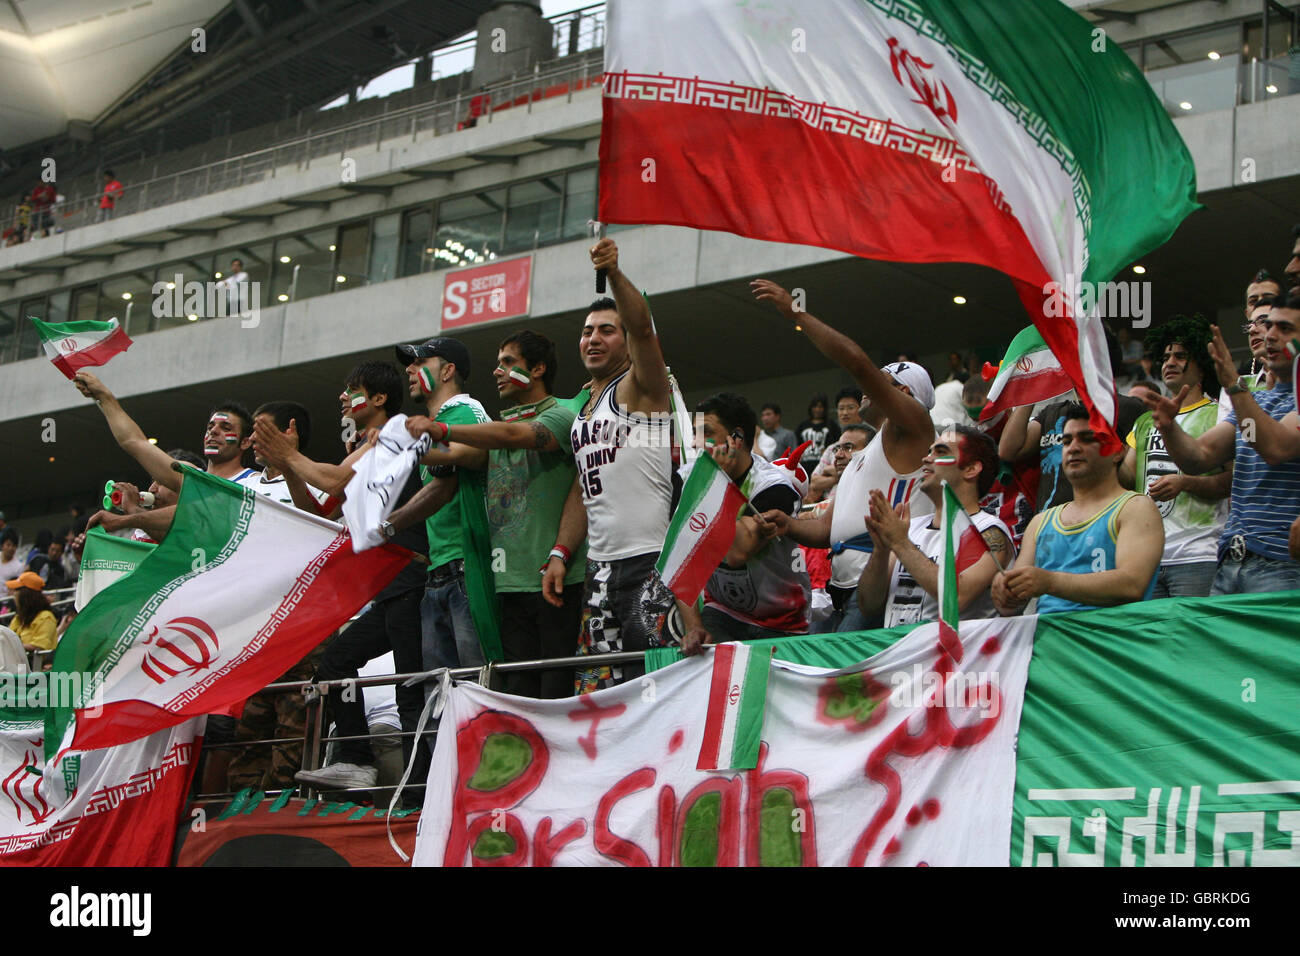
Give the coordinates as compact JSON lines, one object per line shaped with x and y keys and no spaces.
{"x":561,"y":552}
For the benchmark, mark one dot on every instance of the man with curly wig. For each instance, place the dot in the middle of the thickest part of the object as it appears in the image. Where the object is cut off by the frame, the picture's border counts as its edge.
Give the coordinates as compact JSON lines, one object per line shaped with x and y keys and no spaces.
{"x":1192,"y":507}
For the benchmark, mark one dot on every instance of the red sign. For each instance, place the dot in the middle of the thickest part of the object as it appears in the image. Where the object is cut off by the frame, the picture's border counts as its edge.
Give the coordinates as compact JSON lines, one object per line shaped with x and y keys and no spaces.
{"x":499,"y":290}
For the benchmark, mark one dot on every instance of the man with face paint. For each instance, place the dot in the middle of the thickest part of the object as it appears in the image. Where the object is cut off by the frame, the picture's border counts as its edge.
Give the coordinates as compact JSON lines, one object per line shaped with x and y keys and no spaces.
{"x":530,"y":476}
{"x":1192,"y":507}
{"x":901,"y":580}
{"x":226,"y":437}
{"x":460,"y":615}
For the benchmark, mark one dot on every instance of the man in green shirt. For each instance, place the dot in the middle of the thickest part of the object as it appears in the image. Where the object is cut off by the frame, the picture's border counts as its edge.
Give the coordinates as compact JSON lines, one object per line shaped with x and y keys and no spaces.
{"x":459,"y":617}
{"x":530,"y":474}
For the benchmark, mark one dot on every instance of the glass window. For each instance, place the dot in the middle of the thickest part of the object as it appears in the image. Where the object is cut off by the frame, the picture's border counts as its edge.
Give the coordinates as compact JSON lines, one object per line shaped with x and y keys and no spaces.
{"x":579,"y":202}
{"x":29,"y":340}
{"x":85,"y":303}
{"x":350,"y":257}
{"x":1197,"y":73}
{"x":383,"y":248}
{"x":1204,"y":46}
{"x":129,"y":299}
{"x":469,"y":229}
{"x":533,"y":213}
{"x":415,"y":241}
{"x":8,"y":331}
{"x":183,"y":294}
{"x":304,"y":266}
{"x":58,"y":305}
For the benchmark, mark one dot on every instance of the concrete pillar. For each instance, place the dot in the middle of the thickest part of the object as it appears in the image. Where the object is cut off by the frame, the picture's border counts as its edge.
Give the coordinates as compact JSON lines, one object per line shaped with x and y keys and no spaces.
{"x":512,"y":38}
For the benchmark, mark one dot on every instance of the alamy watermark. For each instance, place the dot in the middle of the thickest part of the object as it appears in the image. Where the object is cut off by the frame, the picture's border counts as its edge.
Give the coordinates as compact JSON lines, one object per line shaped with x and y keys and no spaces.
{"x":964,"y":689}
{"x":71,"y":689}
{"x":195,"y":300}
{"x":1103,"y":300}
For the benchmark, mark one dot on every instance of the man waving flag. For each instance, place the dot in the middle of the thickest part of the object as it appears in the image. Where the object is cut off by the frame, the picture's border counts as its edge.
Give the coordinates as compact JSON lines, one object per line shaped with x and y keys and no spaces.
{"x":1010,"y":135}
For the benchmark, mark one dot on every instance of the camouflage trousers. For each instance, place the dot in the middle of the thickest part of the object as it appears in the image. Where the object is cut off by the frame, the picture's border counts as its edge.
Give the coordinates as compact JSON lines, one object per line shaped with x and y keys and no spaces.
{"x":279,"y":716}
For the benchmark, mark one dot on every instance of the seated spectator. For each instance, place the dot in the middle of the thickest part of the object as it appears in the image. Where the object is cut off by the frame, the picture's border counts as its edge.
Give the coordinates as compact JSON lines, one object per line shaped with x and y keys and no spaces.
{"x":1192,"y":507}
{"x":1261,"y":438}
{"x":822,"y":484}
{"x":34,"y":620}
{"x":817,"y":431}
{"x":901,"y":580}
{"x":774,"y":439}
{"x":11,"y":565}
{"x":761,"y":588}
{"x":1100,"y":548}
{"x":48,"y":561}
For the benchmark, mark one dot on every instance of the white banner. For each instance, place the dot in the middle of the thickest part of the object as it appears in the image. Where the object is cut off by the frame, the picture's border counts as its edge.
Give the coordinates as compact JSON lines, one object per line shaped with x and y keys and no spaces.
{"x":904,"y":759}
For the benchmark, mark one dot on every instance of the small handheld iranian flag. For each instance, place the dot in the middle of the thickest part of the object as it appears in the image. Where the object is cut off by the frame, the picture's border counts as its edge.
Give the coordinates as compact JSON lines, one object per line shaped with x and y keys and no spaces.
{"x":105,"y":559}
{"x":1028,"y":374}
{"x":701,"y":530}
{"x":733,"y":727}
{"x":76,"y":345}
{"x":963,"y":546}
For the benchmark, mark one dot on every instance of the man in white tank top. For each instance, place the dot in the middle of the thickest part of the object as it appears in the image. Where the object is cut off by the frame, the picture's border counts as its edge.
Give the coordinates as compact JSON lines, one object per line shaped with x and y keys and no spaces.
{"x":901,"y":579}
{"x":622,"y":444}
{"x":902,"y":395}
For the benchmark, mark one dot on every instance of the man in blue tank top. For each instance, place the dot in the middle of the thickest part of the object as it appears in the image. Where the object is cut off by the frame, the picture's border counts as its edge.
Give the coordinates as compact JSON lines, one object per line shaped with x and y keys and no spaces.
{"x":1098,"y":550}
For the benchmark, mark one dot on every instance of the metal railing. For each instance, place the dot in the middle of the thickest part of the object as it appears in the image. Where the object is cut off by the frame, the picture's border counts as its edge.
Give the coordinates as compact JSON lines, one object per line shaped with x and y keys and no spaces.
{"x":315,"y":738}
{"x":409,"y":124}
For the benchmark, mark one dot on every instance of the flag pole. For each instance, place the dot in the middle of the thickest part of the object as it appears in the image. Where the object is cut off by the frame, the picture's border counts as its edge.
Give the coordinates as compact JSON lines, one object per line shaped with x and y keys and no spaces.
{"x":944,"y":484}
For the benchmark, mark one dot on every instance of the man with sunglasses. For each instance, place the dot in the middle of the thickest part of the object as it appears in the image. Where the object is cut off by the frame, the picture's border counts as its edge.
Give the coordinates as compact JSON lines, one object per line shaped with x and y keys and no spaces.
{"x":1261,"y":436}
{"x":1262,"y":292}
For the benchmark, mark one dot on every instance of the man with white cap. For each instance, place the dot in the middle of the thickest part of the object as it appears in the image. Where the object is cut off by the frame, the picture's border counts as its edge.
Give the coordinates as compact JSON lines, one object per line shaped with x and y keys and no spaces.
{"x":903,"y":394}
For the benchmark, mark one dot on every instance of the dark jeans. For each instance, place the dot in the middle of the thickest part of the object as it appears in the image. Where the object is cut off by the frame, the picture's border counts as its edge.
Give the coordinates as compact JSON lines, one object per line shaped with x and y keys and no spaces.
{"x":393,"y":625}
{"x":532,"y":629}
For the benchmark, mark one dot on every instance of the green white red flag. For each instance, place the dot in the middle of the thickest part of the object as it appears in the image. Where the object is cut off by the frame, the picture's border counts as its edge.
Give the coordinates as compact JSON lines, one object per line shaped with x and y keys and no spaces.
{"x":105,"y":560}
{"x":733,"y":727}
{"x":239,"y":591}
{"x":701,"y":530}
{"x":963,"y":546}
{"x":76,"y":345}
{"x":1029,"y":373}
{"x":1003,"y":134}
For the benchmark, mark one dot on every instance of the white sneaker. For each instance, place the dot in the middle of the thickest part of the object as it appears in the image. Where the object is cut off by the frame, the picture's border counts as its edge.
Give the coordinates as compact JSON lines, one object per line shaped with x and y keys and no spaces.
{"x":339,"y":776}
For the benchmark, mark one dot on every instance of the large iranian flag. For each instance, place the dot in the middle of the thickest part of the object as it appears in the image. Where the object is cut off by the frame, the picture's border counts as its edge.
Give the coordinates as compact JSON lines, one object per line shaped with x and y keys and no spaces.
{"x":983,"y":131}
{"x":76,"y":345}
{"x":240,"y":590}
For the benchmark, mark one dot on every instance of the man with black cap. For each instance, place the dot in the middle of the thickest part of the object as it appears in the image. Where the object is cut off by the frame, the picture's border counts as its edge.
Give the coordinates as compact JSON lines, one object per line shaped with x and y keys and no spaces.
{"x":902,"y":394}
{"x":459,"y":615}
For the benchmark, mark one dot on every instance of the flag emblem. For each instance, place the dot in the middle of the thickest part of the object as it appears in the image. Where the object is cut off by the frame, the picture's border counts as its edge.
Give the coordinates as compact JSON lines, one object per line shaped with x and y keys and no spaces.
{"x":170,"y":659}
{"x":698,"y":521}
{"x":927,"y":87}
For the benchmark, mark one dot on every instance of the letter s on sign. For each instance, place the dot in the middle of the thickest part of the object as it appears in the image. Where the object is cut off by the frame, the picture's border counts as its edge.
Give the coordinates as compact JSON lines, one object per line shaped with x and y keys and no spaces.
{"x":453,"y":300}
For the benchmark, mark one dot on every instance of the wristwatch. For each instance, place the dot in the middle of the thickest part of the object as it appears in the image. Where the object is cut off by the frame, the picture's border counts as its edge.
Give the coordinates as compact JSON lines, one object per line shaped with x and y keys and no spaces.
{"x":387,"y":530}
{"x":1242,"y":384}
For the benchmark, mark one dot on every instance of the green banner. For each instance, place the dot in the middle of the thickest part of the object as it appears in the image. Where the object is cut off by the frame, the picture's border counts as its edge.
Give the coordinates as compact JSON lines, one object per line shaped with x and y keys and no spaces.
{"x":1165,"y":733}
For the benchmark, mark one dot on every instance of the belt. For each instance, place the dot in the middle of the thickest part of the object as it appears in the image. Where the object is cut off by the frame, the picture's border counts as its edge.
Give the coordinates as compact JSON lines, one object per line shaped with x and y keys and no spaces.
{"x":444,"y":572}
{"x":1236,"y":550}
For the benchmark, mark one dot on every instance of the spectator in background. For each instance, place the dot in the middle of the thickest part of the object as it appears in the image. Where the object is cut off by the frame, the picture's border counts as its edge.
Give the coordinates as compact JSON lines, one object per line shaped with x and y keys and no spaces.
{"x":43,"y":197}
{"x":818,"y":431}
{"x":23,"y":219}
{"x":11,"y":565}
{"x":957,"y":370}
{"x":4,"y":523}
{"x":848,"y":406}
{"x":109,"y":197}
{"x":235,"y":287}
{"x":959,"y":403}
{"x":1261,"y":438}
{"x":1264,"y":289}
{"x":1130,"y":367}
{"x":773,"y":440}
{"x":47,"y":561}
{"x":1099,"y":549}
{"x":1192,"y":507}
{"x":822,"y":484}
{"x":34,"y":620}
{"x":1292,"y":271}
{"x":1142,"y":388}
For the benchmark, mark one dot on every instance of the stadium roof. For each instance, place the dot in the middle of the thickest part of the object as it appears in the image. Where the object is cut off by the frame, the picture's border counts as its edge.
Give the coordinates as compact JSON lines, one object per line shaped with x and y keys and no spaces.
{"x":126,"y":66}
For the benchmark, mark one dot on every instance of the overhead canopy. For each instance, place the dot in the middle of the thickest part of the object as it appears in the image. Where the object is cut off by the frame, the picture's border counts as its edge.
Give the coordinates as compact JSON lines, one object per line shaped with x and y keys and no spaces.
{"x":128,"y":66}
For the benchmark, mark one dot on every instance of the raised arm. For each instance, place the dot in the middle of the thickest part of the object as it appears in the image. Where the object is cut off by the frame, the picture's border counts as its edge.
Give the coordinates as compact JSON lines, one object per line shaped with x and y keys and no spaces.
{"x":905,"y":414}
{"x":1276,"y":441}
{"x":533,"y":436}
{"x":127,"y":433}
{"x":1193,"y":456}
{"x":649,"y":371}
{"x":1020,"y":436}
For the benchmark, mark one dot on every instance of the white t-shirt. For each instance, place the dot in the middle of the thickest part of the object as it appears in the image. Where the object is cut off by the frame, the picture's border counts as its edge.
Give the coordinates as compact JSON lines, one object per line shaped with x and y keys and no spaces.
{"x":11,"y":569}
{"x":909,"y":603}
{"x":867,"y":469}
{"x":276,"y":488}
